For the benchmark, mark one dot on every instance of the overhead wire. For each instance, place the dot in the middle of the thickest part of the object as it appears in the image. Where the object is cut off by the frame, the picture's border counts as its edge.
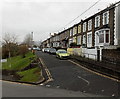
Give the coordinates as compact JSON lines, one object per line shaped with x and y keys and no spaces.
{"x":80,"y":14}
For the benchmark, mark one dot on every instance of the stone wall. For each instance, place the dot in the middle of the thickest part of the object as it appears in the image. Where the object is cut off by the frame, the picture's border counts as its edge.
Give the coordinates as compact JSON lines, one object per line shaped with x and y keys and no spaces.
{"x":111,"y":53}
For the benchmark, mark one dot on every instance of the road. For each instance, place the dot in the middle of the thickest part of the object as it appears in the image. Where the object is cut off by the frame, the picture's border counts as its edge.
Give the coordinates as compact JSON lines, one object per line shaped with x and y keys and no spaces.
{"x":69,"y":76}
{"x":12,"y":89}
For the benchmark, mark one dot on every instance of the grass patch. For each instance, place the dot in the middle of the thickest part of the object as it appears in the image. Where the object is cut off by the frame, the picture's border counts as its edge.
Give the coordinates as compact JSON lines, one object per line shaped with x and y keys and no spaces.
{"x":17,"y":63}
{"x":31,"y":75}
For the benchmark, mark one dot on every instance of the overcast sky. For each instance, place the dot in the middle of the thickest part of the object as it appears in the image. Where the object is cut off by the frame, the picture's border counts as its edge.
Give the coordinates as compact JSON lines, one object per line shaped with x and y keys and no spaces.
{"x":21,"y":17}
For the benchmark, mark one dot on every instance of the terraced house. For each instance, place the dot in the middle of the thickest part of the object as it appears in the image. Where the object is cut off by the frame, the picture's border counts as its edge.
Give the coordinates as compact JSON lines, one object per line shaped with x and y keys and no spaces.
{"x":96,"y":36}
{"x":100,"y":32}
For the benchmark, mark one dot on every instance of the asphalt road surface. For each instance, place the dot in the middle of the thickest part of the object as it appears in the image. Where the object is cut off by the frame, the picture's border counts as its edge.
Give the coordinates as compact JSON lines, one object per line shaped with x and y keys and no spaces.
{"x":70,"y":76}
{"x":11,"y":89}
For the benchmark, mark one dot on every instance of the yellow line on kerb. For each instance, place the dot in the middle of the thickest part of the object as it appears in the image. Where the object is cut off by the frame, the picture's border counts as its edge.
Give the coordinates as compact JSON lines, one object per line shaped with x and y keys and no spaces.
{"x":47,"y":72}
{"x":94,"y":71}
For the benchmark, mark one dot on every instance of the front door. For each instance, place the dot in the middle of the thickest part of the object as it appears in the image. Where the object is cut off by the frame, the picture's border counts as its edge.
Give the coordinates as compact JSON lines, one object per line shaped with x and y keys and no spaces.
{"x":98,"y":55}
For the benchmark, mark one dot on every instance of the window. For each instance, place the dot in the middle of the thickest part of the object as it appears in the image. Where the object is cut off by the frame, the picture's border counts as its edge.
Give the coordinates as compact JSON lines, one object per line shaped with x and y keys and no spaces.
{"x":79,"y":40}
{"x":105,"y":18}
{"x":70,"y":41}
{"x":84,"y":27}
{"x":84,"y":39}
{"x":89,"y":24}
{"x":107,"y":36}
{"x":71,"y":32}
{"x":97,"y":21}
{"x":74,"y":30}
{"x":79,"y":28}
{"x":89,"y":39}
{"x":102,"y":37}
{"x":74,"y":39}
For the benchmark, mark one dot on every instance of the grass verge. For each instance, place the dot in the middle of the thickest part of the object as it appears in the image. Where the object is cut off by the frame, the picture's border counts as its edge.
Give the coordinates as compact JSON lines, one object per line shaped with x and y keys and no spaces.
{"x":31,"y":75}
{"x":17,"y":62}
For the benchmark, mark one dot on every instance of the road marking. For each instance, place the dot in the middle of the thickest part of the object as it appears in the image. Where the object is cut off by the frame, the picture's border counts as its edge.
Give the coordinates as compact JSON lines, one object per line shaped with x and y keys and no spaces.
{"x":84,"y":80}
{"x":94,"y":71}
{"x":47,"y":72}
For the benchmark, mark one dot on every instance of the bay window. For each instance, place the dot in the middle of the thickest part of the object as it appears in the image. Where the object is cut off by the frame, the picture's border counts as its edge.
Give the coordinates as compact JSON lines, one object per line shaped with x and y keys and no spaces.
{"x":102,"y":37}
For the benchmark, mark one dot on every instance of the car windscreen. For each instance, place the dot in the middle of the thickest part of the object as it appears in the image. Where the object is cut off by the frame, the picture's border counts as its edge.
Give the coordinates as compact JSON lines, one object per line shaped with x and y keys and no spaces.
{"x":52,"y":49}
{"x":62,"y":52}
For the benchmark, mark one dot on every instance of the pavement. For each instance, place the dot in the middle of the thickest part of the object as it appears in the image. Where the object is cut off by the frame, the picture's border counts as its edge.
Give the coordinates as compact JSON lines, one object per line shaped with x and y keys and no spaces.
{"x":72,"y":77}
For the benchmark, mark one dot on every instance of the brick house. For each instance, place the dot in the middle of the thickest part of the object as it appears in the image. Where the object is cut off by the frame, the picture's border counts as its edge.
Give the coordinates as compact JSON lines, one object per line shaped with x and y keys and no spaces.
{"x":64,"y":35}
{"x":100,"y":31}
{"x":94,"y":34}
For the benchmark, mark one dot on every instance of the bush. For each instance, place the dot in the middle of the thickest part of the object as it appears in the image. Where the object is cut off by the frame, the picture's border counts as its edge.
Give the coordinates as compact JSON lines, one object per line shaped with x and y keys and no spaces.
{"x":23,"y":49}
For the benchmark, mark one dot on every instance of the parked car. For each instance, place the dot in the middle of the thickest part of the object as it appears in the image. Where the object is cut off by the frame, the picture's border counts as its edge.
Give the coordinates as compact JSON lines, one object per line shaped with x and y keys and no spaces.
{"x":46,"y":50}
{"x":62,"y":54}
{"x":52,"y":51}
{"x":43,"y":49}
{"x":36,"y":48}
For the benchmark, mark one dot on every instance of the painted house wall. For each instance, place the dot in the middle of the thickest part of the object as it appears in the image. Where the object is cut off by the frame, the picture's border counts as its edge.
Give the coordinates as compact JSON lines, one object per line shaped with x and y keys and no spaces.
{"x":75,"y":51}
{"x":90,"y":53}
{"x":117,"y":25}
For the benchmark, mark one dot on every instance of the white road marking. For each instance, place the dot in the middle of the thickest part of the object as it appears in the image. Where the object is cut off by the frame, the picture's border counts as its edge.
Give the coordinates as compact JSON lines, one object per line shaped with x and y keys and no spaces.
{"x":84,"y":80}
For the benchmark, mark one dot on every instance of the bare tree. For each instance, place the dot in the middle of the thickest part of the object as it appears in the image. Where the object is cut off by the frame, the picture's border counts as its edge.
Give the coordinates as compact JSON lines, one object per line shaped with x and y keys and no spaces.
{"x":9,"y":38}
{"x":28,"y":40}
{"x":9,"y":45}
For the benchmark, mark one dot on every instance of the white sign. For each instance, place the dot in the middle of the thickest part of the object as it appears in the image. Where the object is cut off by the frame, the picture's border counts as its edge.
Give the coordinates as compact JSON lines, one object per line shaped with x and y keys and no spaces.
{"x":3,"y":60}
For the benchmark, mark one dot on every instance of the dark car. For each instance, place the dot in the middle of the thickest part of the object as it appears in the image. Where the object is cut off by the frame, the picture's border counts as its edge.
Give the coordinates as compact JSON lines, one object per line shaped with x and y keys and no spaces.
{"x":52,"y":51}
{"x":46,"y":50}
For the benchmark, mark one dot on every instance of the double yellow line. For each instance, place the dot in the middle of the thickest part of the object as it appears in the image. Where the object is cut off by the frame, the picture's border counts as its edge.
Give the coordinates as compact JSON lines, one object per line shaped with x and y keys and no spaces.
{"x":47,"y":72}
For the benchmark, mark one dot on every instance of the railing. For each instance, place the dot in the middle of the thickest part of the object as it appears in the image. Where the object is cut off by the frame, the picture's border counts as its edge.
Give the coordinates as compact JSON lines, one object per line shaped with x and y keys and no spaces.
{"x":89,"y":56}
